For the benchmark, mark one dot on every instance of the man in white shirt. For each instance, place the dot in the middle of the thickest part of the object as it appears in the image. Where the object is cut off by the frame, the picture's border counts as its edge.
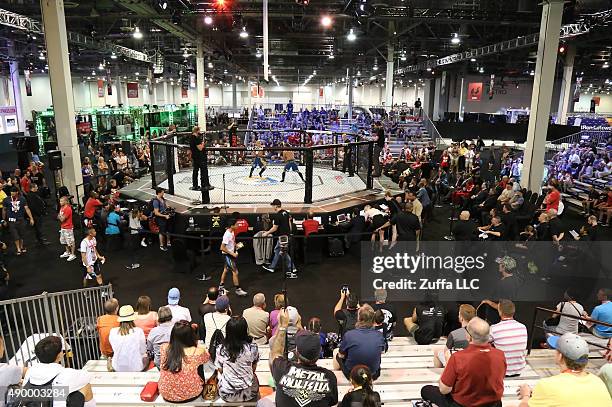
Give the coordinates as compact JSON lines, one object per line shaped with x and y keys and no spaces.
{"x":510,"y":336}
{"x":91,"y":258}
{"x":122,"y":161}
{"x":49,"y":352}
{"x":179,"y":313}
{"x":257,"y":319}
{"x":229,"y":252}
{"x":218,"y":319}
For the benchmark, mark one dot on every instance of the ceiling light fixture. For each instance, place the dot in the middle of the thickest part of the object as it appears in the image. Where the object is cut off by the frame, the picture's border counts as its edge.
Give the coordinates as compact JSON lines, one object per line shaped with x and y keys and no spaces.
{"x":137,"y":34}
{"x":326,"y":21}
{"x":210,"y":64}
{"x":258,"y":54}
{"x":351,"y":35}
{"x":481,"y":69}
{"x":208,"y":20}
{"x":41,"y":56}
{"x":101,"y":66}
{"x":244,"y":33}
{"x":455,"y":39}
{"x":331,"y":56}
{"x":113,"y":56}
{"x":472,"y":59}
{"x":606,"y":65}
{"x":163,"y":5}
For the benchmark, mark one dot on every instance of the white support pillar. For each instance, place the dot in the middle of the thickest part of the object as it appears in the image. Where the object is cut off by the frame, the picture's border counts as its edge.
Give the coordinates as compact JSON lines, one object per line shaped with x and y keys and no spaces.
{"x":201,"y":86}
{"x":61,"y":93}
{"x":120,"y":92}
{"x":541,"y":97}
{"x":265,"y":40}
{"x":234,"y":93}
{"x":350,"y":93}
{"x":14,"y":76}
{"x":165,"y":93}
{"x":437,"y":97}
{"x":389,"y":80}
{"x":566,"y":95}
{"x":460,"y":113}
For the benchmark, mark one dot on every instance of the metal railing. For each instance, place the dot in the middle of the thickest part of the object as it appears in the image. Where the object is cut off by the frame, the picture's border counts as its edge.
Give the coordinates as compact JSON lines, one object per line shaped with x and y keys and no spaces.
{"x":432,"y":130}
{"x":71,"y":315}
{"x":552,"y":331}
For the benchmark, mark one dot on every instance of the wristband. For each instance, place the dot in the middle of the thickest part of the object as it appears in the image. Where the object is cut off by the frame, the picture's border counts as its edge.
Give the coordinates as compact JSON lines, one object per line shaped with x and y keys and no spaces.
{"x":282,"y":329}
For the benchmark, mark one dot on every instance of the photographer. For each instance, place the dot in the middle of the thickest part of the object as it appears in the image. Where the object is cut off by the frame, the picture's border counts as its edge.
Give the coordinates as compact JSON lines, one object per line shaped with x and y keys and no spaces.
{"x":346,"y":317}
{"x":163,"y":218}
{"x":281,"y":227}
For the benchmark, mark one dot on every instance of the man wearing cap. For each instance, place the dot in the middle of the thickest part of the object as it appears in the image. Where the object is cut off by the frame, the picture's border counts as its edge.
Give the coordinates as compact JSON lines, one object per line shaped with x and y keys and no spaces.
{"x":218,"y":319}
{"x":281,"y":227}
{"x":301,"y":383}
{"x":574,"y":386}
{"x":506,"y":287}
{"x":179,"y":313}
{"x":472,"y":377}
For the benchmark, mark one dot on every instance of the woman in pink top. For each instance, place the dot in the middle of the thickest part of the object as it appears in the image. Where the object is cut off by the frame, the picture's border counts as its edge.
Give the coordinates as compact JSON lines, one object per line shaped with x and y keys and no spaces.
{"x":179,"y":380}
{"x":145,"y":318}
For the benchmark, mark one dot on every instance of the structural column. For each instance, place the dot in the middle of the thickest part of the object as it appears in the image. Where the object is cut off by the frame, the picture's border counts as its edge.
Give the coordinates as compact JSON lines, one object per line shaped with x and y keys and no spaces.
{"x":389,"y":80}
{"x":533,"y":167}
{"x":201,"y":86}
{"x":350,"y":93}
{"x":435,"y":114}
{"x":14,"y":73}
{"x":61,"y":93}
{"x":234,"y":93}
{"x":566,"y":96}
{"x":120,"y":100}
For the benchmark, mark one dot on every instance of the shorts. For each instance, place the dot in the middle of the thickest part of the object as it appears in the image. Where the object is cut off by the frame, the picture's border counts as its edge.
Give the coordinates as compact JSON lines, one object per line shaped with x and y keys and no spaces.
{"x":291,"y":166}
{"x":378,"y":221}
{"x":67,"y":237}
{"x":258,"y":162}
{"x":17,"y":229}
{"x":162,"y":224}
{"x":229,"y":262}
{"x":97,"y":270}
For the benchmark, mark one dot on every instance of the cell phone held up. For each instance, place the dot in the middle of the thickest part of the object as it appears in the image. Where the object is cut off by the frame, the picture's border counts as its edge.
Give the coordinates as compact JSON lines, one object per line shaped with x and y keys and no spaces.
{"x":345,"y":289}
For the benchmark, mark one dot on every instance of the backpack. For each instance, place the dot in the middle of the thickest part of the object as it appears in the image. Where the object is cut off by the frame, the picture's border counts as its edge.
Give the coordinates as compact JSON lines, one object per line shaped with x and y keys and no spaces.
{"x":148,"y":210}
{"x":216,"y":339}
{"x":74,"y":399}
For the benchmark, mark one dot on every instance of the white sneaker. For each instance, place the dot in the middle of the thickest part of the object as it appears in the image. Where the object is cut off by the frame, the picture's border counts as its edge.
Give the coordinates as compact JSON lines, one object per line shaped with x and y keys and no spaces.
{"x":64,"y":255}
{"x":241,"y":293}
{"x":143,"y":243}
{"x":71,"y":257}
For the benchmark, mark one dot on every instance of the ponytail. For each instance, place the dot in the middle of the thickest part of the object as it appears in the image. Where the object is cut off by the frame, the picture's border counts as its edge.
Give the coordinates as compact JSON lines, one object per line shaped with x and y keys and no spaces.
{"x":361,"y":376}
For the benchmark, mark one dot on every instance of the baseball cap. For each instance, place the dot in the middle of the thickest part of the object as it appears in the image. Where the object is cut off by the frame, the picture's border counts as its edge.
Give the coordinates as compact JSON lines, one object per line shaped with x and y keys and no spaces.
{"x":174,"y":295}
{"x":276,"y":202}
{"x":222,"y":303}
{"x":308,"y":345}
{"x":571,"y":346}
{"x":508,"y":262}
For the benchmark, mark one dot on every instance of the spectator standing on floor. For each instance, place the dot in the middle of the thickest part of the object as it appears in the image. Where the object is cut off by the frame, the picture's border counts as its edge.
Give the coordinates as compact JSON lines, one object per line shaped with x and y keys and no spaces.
{"x":179,"y":313}
{"x":229,"y":251}
{"x":300,"y":383}
{"x":361,"y":346}
{"x":181,"y":376}
{"x":160,"y":334}
{"x":346,"y":316}
{"x":472,"y":377}
{"x":457,"y":339}
{"x":362,"y":393}
{"x":38,"y":207}
{"x":104,"y":325}
{"x":50,"y":353}
{"x":162,"y":218}
{"x":281,"y":228}
{"x":236,"y":362}
{"x":91,"y":258}
{"x":427,"y":322}
{"x":574,"y":386}
{"x":129,"y":343}
{"x":257,"y":319}
{"x":14,"y":210}
{"x":66,"y":229}
{"x":510,"y":336}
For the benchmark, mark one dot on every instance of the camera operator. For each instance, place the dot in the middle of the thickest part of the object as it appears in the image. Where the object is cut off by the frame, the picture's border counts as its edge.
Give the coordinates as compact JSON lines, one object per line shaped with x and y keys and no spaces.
{"x":163,"y":218}
{"x":281,"y":228}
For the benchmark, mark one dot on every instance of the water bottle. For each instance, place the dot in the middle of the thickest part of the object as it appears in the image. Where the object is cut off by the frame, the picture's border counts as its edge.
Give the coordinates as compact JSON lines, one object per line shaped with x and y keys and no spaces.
{"x":191,"y":222}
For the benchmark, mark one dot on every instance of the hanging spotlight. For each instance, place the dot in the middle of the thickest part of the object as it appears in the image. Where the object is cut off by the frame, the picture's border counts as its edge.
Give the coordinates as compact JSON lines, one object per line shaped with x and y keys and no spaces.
{"x":210,"y":64}
{"x":326,"y":21}
{"x":428,"y":69}
{"x":137,"y":34}
{"x":532,"y":73}
{"x":472,"y":59}
{"x":93,"y":73}
{"x":562,"y":49}
{"x":375,"y":67}
{"x":455,"y":39}
{"x":163,"y":5}
{"x":481,"y":70}
{"x":258,"y":54}
{"x":606,"y":65}
{"x":101,"y":66}
{"x":41,"y":56}
{"x":113,"y":56}
{"x":208,"y":20}
{"x":185,"y":53}
{"x":351,"y":35}
{"x":244,"y":33}
{"x":403,"y":56}
{"x":331,"y":56}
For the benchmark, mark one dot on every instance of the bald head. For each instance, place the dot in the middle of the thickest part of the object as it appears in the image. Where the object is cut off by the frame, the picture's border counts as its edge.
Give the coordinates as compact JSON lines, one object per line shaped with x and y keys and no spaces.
{"x":464,"y":215}
{"x":478,"y":330}
{"x":259,"y":300}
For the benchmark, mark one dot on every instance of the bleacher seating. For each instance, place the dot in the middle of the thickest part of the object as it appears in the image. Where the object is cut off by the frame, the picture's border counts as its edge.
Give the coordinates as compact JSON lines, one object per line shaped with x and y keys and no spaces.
{"x":580,"y":189}
{"x":406,"y":367}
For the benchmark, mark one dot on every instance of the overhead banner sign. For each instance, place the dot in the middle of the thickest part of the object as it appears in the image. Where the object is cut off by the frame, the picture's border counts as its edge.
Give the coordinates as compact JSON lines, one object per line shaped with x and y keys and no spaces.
{"x":28,"y":82}
{"x":257,"y":91}
{"x":100,"y":88}
{"x":183,"y":93}
{"x":132,"y":90}
{"x":474,"y":91}
{"x":592,"y":126}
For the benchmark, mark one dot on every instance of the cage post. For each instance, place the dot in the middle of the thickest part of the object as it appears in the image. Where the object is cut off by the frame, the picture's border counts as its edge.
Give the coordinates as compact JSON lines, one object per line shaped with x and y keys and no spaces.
{"x":309,"y":174}
{"x":170,"y":168}
{"x":370,"y":178}
{"x":152,"y":158}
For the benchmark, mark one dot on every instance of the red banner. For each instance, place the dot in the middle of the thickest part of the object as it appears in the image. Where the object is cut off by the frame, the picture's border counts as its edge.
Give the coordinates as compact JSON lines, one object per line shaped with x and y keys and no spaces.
{"x":85,"y":127}
{"x":183,"y":92}
{"x":474,"y":91}
{"x":100,"y":88}
{"x":132,"y":90}
{"x":257,"y":91}
{"x":597,"y":100}
{"x":206,"y":92}
{"x":320,"y":92}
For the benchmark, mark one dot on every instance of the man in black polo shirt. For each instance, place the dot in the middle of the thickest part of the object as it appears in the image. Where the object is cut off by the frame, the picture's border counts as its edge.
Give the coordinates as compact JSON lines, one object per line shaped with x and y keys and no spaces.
{"x":196,"y":156}
{"x":281,"y":228}
{"x":379,"y":144}
{"x":38,"y":207}
{"x":464,"y":230}
{"x":406,"y":225}
{"x":347,"y":162}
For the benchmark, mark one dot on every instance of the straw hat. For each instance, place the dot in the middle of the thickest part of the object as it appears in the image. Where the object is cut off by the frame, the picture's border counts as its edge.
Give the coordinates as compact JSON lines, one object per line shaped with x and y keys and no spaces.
{"x":126,"y":314}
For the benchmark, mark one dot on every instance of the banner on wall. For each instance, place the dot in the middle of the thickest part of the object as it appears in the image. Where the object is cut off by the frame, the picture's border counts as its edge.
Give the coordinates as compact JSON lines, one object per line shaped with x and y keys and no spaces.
{"x":592,"y":126}
{"x":28,"y":82}
{"x":183,"y":92}
{"x":576,"y":96}
{"x":149,"y":82}
{"x":192,"y":80}
{"x":206,"y":92}
{"x":474,"y":91}
{"x":100,"y":88}
{"x":597,"y":100}
{"x":257,"y":91}
{"x":443,"y":83}
{"x":491,"y":86}
{"x":320,"y":92}
{"x":132,"y":90}
{"x":109,"y":82}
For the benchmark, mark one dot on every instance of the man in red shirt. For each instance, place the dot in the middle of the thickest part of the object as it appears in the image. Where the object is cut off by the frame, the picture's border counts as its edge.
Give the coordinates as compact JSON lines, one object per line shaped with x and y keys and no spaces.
{"x":92,"y":204}
{"x":552,"y":198}
{"x":66,"y":229}
{"x":24,"y":182}
{"x":310,"y":225}
{"x":473,"y":376}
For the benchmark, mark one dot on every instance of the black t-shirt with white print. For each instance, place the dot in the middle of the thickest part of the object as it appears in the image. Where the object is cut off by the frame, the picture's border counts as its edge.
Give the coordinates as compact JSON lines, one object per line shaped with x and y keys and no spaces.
{"x":300,"y":385}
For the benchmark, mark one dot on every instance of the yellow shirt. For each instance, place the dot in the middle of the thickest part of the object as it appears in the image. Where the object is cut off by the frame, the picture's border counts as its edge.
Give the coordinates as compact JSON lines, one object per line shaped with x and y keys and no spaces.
{"x":2,"y":197}
{"x":569,"y":390}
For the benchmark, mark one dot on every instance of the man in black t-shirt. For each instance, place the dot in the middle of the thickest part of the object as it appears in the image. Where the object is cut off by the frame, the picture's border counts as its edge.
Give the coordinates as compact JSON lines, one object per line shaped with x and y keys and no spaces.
{"x":346,"y":317}
{"x":557,"y":229}
{"x":281,"y":228}
{"x":464,"y":230}
{"x":379,"y":144}
{"x":303,"y":383}
{"x":195,"y":147}
{"x":406,"y":225}
{"x":347,"y":161}
{"x":388,"y":310}
{"x":426,"y":323}
{"x":506,"y":288}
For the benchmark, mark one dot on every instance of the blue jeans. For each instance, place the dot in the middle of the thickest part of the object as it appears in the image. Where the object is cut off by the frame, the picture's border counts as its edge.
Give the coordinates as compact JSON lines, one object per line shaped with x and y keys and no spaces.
{"x":277,"y":255}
